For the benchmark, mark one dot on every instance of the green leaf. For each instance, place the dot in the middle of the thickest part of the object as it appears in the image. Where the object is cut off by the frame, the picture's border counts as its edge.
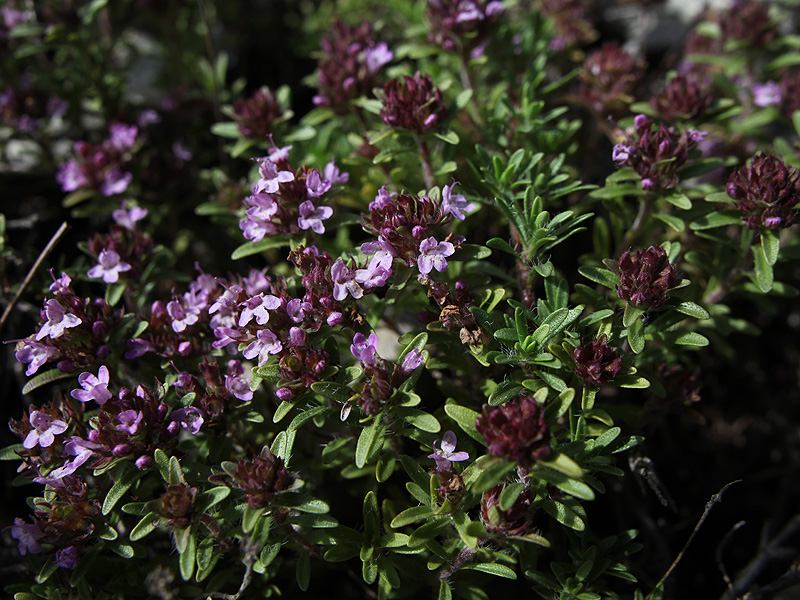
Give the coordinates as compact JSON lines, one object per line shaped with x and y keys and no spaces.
{"x":693,"y":310}
{"x":500,"y":244}
{"x":599,"y":275}
{"x":114,"y":292}
{"x":147,"y":524}
{"x":250,"y":248}
{"x":472,"y":252}
{"x":675,"y":222}
{"x":307,"y":415}
{"x":564,"y":515}
{"x":631,"y":314}
{"x":680,"y":200}
{"x":493,"y":569}
{"x":510,"y":494}
{"x":445,"y":593}
{"x":332,"y":391}
{"x":464,"y":418}
{"x":504,"y":392}
{"x":175,"y":472}
{"x":10,"y":452}
{"x":419,"y":419}
{"x":212,"y":497}
{"x":722,"y":218}
{"x":301,"y":502}
{"x":691,"y":338}
{"x":43,"y":379}
{"x":188,"y":557}
{"x":564,"y":464}
{"x":771,"y":245}
{"x":46,"y":571}
{"x":226,"y":130}
{"x":384,"y":467}
{"x":763,"y":269}
{"x":121,"y":485}
{"x":566,"y":484}
{"x":450,"y":137}
{"x":636,"y":336}
{"x":162,"y":460}
{"x":411,"y":515}
{"x":370,"y":441}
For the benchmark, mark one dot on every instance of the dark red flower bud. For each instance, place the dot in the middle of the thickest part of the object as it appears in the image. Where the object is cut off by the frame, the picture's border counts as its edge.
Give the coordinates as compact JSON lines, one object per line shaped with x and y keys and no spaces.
{"x":412,"y":103}
{"x":595,"y":362}
{"x":766,"y":192}
{"x":610,"y":79}
{"x":258,"y":115}
{"x":177,"y":505}
{"x":514,"y":521}
{"x":261,"y":478}
{"x":645,"y":277}
{"x":516,"y":431}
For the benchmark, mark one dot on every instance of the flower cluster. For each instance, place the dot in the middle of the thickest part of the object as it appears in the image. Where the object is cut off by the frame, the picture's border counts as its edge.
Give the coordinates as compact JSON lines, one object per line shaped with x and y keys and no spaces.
{"x":261,"y":478}
{"x":27,"y":111}
{"x":514,"y":521}
{"x":102,"y":166}
{"x":656,"y":155}
{"x":350,"y":64}
{"x":404,"y":226}
{"x":285,"y":201}
{"x":595,"y":362}
{"x":570,"y":21}
{"x":258,"y":115}
{"x":610,"y":80}
{"x":766,"y":192}
{"x":381,"y":377}
{"x":73,"y":331}
{"x":412,"y":103}
{"x":462,"y":25}
{"x":645,"y":276}
{"x":686,"y":96}
{"x":516,"y":431}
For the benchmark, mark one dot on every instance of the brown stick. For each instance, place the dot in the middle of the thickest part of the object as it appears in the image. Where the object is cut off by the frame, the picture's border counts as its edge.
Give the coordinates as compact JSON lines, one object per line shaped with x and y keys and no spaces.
{"x":42,"y":255}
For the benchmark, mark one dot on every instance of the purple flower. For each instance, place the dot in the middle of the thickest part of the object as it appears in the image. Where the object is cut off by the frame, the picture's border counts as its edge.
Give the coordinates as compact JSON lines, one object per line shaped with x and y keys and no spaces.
{"x":515,"y":430}
{"x":621,"y":153}
{"x":182,"y":316}
{"x":190,"y":418}
{"x":127,"y":218}
{"x":365,"y":349}
{"x":115,"y":181}
{"x":445,"y":454}
{"x":36,"y":355}
{"x":262,"y":206}
{"x":595,"y":362}
{"x":67,"y":558}
{"x":456,"y":204}
{"x":377,"y":272}
{"x":122,"y":137}
{"x":766,"y":94}
{"x":382,"y":200}
{"x":27,"y":535}
{"x":645,"y":276}
{"x":432,"y":255}
{"x":137,"y":348}
{"x":129,"y":421}
{"x":71,"y":176}
{"x":266,"y":343}
{"x":109,"y":267}
{"x":258,"y":306}
{"x":239,"y":387}
{"x":94,"y":388}
{"x":377,"y":56}
{"x":311,"y":217}
{"x":331,"y":173}
{"x":344,"y":282}
{"x":316,"y":185}
{"x":81,"y":449}
{"x":60,"y":285}
{"x":271,"y":178}
{"x":297,"y":309}
{"x":58,"y":319}
{"x":411,"y":361}
{"x":45,"y":428}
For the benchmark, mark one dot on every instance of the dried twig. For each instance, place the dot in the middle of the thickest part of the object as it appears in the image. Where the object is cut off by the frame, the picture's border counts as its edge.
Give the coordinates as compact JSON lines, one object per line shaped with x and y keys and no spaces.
{"x":722,"y":545}
{"x":42,"y":255}
{"x":709,"y":505}
{"x":767,"y":553}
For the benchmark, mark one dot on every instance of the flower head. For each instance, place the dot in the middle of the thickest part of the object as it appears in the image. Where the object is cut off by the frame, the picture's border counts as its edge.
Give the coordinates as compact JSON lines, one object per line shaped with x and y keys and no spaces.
{"x":432,"y":255}
{"x":412,"y":103}
{"x":311,"y":217}
{"x":261,"y":478}
{"x":35,"y":355}
{"x":766,"y":192}
{"x":58,"y":319}
{"x":595,"y":362}
{"x":514,"y":521}
{"x":365,"y":348}
{"x":645,"y":277}
{"x":515,"y":430}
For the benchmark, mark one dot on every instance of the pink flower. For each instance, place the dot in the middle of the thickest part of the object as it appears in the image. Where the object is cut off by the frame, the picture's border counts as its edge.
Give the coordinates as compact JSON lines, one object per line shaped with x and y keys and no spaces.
{"x":311,"y":217}
{"x":266,"y":343}
{"x":432,"y":255}
{"x":58,"y":319}
{"x":456,"y":204}
{"x":128,"y":218}
{"x":27,"y":535}
{"x":189,"y":418}
{"x":182,"y":316}
{"x":109,"y":268}
{"x":45,"y":428}
{"x":129,"y":421}
{"x":365,"y":349}
{"x":258,"y":306}
{"x":36,"y":355}
{"x":344,"y":281}
{"x":94,"y":388}
{"x":445,"y":454}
